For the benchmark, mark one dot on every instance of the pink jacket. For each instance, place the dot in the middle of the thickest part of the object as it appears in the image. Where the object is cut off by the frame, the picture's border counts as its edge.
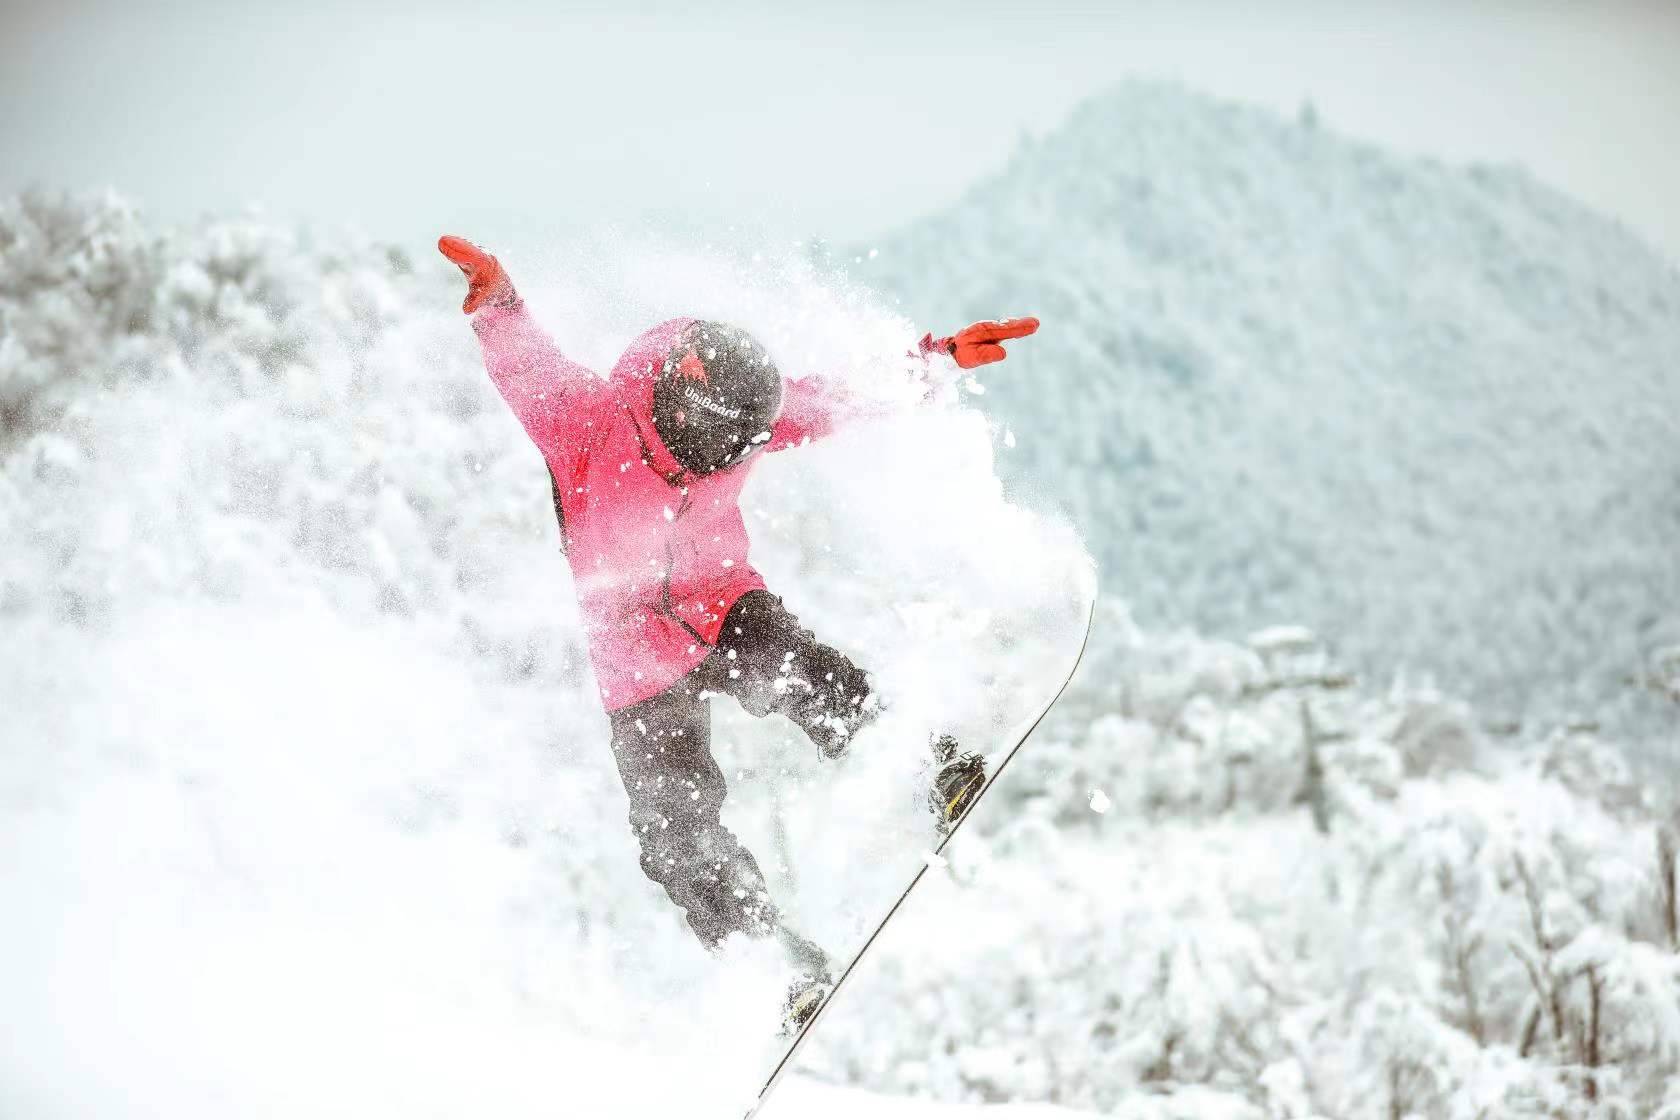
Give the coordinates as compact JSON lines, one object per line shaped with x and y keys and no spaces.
{"x":658,"y":554}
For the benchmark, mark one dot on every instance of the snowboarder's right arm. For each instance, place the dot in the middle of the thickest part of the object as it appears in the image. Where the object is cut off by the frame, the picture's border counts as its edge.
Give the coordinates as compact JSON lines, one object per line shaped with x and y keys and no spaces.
{"x":812,"y":406}
{"x":538,"y":382}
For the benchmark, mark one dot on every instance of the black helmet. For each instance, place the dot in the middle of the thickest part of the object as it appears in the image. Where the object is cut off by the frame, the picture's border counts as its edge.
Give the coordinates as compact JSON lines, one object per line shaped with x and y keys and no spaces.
{"x":715,"y":397}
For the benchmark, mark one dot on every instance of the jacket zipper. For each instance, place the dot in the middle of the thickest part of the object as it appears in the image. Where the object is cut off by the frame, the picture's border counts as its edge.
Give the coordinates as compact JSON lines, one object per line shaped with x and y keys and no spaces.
{"x":670,"y":564}
{"x":680,"y":481}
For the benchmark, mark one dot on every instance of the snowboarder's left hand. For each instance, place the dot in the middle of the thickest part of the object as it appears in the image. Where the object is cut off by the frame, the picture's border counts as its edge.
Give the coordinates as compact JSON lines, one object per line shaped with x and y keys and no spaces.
{"x":977,"y":345}
{"x":487,"y":280}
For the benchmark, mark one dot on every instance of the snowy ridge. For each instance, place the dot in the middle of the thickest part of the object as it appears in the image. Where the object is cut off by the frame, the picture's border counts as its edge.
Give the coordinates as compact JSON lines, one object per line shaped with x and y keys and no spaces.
{"x":1431,"y":411}
{"x":310,"y":810}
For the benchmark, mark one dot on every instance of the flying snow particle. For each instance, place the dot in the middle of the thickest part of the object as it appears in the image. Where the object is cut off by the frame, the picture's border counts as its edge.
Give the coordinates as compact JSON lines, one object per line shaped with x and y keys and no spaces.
{"x":935,"y":860}
{"x":1008,"y":438}
{"x":1099,"y":801}
{"x":669,"y":516}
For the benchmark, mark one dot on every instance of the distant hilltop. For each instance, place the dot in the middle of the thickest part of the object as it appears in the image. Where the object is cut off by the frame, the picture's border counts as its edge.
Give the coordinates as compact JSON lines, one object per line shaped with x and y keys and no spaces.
{"x":1432,"y":411}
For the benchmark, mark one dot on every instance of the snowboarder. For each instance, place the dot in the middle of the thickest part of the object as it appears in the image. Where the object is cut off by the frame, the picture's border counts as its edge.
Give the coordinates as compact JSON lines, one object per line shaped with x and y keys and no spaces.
{"x":646,"y":468}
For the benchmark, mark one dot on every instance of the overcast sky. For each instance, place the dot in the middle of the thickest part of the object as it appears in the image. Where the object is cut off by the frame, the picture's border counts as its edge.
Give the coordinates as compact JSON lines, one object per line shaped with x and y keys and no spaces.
{"x":505,"y":120}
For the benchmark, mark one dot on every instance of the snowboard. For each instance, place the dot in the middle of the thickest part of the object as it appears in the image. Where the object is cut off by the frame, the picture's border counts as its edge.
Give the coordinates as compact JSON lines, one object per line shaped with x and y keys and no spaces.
{"x":996,"y":763}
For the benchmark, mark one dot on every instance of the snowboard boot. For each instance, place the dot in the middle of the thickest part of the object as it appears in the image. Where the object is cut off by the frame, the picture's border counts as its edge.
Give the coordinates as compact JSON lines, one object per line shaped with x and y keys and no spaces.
{"x":805,"y":995}
{"x":813,"y":979}
{"x":957,"y":781}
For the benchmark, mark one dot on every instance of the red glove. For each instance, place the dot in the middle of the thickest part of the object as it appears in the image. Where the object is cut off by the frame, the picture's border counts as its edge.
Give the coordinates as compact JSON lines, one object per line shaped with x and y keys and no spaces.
{"x":487,"y":281}
{"x":977,"y":345}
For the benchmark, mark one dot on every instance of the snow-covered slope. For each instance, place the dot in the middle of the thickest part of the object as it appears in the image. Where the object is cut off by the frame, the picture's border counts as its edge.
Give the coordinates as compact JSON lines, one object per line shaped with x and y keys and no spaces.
{"x":1433,"y":411}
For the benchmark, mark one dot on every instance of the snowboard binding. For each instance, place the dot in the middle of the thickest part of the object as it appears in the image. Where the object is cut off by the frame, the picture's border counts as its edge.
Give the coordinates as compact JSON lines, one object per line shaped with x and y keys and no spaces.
{"x":805,"y":995}
{"x":957,"y":782}
{"x":813,"y":979}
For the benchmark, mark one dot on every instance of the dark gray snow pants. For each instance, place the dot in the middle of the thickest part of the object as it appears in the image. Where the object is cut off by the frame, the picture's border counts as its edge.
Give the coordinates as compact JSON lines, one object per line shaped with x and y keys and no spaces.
{"x":769,"y":664}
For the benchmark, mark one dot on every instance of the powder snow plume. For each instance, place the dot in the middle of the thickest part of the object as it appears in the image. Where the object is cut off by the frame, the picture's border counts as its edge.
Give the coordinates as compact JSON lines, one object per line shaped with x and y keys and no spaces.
{"x":310,"y":805}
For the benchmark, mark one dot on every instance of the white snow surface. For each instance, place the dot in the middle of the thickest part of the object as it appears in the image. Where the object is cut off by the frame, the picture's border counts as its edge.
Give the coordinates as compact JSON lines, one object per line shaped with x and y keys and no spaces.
{"x":268,"y":871}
